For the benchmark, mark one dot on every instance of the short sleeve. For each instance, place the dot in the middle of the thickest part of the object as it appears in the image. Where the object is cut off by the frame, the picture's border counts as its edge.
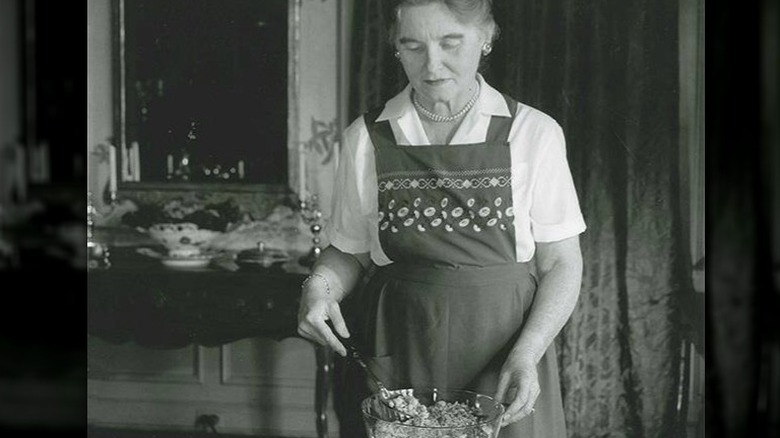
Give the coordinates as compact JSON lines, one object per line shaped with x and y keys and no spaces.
{"x":348,"y":229}
{"x":555,"y":210}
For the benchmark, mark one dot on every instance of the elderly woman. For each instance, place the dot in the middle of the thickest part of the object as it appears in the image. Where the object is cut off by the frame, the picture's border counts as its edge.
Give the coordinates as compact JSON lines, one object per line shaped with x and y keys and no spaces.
{"x":462,"y":199}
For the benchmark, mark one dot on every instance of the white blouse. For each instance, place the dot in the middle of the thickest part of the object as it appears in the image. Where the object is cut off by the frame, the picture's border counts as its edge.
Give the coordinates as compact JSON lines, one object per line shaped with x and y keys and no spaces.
{"x":543,"y":195}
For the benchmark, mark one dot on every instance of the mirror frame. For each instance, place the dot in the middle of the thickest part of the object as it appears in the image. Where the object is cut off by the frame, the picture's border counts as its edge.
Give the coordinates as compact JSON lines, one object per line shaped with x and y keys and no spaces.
{"x":119,"y":90}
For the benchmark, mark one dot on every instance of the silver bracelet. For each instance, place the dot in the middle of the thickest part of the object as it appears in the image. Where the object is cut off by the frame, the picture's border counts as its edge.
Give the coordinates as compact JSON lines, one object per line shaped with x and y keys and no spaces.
{"x":313,"y":275}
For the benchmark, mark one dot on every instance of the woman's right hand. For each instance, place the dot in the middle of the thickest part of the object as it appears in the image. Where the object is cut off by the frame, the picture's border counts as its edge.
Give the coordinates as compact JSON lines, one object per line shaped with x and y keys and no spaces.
{"x":316,"y":307}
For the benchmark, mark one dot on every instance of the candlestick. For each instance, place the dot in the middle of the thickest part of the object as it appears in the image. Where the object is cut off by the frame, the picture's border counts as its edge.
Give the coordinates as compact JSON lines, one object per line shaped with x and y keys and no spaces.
{"x":97,"y":252}
{"x":311,"y":215}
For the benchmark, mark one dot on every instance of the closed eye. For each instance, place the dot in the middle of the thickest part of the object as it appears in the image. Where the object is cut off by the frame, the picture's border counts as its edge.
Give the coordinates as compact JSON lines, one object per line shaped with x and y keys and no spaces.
{"x":451,"y":41}
{"x":412,"y":46}
{"x":450,"y":44}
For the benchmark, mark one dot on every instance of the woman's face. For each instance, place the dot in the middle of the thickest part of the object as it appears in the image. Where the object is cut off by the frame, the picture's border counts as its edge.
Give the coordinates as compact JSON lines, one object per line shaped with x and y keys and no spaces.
{"x":440,"y":55}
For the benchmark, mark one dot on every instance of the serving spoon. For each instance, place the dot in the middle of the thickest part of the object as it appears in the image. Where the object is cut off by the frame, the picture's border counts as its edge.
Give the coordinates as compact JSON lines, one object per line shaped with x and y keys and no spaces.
{"x":387,"y":396}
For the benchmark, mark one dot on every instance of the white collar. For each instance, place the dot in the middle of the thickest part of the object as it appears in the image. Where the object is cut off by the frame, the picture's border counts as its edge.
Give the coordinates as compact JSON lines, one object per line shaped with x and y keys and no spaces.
{"x":491,"y":102}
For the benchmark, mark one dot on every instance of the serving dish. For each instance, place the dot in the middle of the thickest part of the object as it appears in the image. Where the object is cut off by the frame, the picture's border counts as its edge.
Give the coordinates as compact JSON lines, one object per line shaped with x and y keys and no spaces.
{"x":465,"y":414}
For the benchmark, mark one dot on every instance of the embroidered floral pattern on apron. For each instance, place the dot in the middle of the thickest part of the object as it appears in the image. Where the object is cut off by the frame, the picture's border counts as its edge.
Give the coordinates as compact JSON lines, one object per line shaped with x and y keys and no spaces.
{"x":422,"y":216}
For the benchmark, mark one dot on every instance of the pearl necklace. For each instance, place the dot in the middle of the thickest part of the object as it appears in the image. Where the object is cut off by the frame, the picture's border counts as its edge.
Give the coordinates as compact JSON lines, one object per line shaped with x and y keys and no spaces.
{"x":439,"y":118}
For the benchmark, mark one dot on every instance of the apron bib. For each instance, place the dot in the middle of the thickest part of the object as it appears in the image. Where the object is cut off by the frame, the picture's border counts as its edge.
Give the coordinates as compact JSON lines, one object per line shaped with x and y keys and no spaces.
{"x":445,"y":205}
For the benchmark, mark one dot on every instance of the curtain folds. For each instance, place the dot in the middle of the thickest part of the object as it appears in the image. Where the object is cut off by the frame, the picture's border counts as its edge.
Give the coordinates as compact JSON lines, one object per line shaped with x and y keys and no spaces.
{"x":607,"y":71}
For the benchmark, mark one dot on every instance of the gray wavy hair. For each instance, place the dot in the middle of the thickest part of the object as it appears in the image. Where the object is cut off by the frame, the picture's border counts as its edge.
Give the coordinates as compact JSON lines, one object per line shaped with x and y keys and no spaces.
{"x":479,"y":12}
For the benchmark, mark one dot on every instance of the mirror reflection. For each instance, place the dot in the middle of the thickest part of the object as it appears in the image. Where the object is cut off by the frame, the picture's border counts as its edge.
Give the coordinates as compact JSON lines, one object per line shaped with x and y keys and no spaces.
{"x":203,"y":90}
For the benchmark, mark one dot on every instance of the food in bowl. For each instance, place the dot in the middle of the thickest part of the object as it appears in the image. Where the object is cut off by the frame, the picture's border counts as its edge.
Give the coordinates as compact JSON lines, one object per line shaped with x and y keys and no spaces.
{"x":441,"y":414}
{"x":434,"y":414}
{"x":182,"y":240}
{"x":407,"y":404}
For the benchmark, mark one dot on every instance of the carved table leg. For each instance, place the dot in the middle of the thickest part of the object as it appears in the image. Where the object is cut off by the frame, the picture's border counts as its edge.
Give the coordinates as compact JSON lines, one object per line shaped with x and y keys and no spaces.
{"x":322,"y":388}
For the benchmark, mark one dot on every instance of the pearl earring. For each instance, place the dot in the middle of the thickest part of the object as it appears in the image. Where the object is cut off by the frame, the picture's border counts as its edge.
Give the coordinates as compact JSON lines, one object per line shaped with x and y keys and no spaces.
{"x":397,"y":54}
{"x":487,"y":48}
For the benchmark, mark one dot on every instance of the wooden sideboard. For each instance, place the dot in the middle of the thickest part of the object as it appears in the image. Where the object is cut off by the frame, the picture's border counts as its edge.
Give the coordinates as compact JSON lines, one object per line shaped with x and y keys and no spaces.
{"x":188,"y":348}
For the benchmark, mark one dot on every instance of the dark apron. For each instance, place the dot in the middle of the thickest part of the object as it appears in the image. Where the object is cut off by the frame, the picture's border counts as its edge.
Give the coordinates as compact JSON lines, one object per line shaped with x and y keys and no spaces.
{"x":448,"y":309}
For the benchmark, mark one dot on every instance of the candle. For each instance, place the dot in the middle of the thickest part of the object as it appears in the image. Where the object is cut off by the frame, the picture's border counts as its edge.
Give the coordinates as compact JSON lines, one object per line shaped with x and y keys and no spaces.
{"x":112,"y":170}
{"x":135,"y":154}
{"x":125,"y":175}
{"x":170,"y":165}
{"x":302,"y":172}
{"x":240,"y":169}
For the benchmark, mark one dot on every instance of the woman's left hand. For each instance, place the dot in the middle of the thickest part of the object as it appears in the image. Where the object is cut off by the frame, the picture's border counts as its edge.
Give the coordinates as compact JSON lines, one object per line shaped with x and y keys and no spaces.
{"x":518,"y":386}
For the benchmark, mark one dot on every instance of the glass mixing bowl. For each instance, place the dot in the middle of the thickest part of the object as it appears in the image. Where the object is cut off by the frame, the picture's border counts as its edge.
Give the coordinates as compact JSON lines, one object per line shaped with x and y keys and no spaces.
{"x":380,"y":420}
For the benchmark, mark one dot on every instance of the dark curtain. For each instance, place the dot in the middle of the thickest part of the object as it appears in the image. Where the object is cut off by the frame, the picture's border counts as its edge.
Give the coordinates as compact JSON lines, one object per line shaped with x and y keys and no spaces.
{"x":607,"y":71}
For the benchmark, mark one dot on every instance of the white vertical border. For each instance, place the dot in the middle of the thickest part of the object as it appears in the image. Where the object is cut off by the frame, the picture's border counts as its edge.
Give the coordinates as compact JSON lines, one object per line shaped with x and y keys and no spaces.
{"x":692,"y":184}
{"x":119,"y":76}
{"x":293,"y":92}
{"x":692,"y":155}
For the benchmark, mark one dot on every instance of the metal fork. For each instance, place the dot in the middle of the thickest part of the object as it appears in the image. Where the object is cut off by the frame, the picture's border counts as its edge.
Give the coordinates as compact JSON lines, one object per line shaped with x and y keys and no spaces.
{"x":387,"y":396}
